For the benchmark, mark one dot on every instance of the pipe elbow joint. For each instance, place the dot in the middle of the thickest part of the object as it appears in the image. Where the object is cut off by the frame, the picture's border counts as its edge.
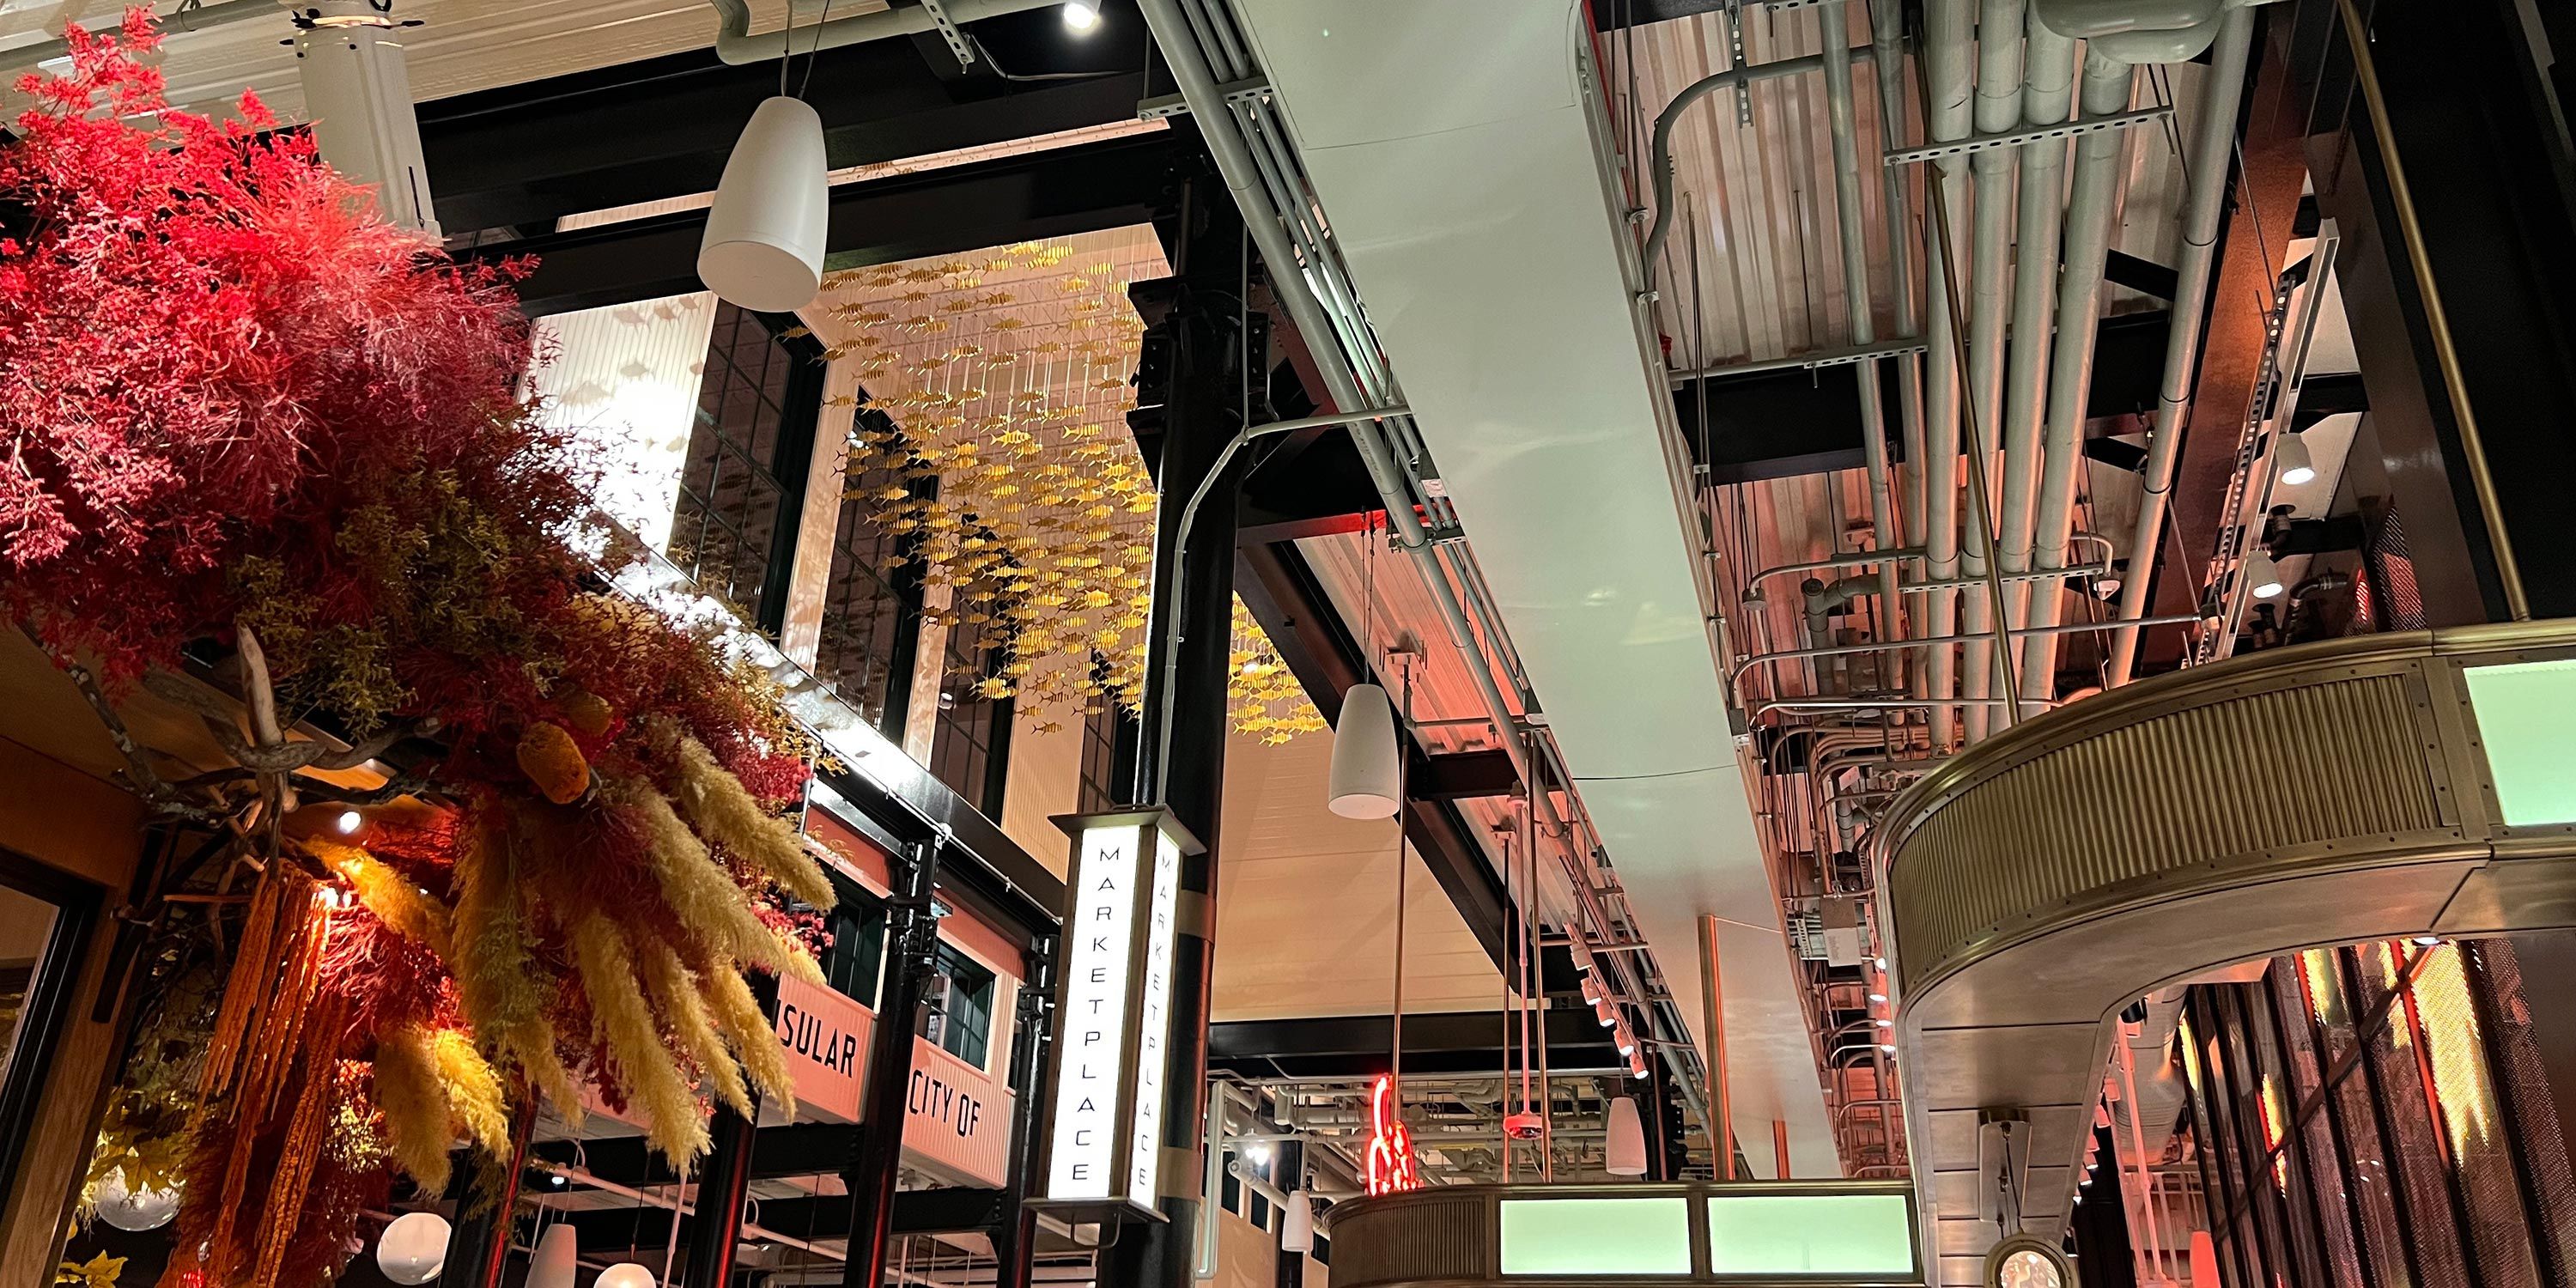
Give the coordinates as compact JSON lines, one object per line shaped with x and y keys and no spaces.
{"x":2137,"y":31}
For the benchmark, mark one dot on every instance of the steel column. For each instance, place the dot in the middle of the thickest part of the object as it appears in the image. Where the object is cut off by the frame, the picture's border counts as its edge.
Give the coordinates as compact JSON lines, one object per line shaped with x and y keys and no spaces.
{"x":1199,"y":328}
{"x":877,"y":1160}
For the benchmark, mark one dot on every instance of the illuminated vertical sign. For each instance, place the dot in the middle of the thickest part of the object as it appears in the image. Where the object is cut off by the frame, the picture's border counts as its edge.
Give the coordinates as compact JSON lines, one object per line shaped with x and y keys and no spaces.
{"x":1114,"y":1020}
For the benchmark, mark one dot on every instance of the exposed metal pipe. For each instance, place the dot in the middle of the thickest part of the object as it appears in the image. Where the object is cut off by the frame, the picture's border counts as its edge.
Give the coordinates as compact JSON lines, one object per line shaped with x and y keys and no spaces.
{"x":1927,"y":641}
{"x":1886,"y":42}
{"x":2001,"y":78}
{"x":1896,"y":348}
{"x":1662,"y":163}
{"x":736,"y":45}
{"x":2092,"y":209}
{"x":1856,"y":298}
{"x":2210,"y":147}
{"x":1947,"y":81}
{"x":2048,"y":80}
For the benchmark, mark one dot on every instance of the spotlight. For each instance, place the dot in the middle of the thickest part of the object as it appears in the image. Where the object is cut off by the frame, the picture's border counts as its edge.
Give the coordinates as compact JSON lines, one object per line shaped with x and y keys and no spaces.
{"x":2290,"y":454}
{"x":1888,"y":1047}
{"x":349,"y":821}
{"x":559,"y":1180}
{"x":2428,"y":941}
{"x":1626,"y":1041}
{"x":1081,"y":15}
{"x":1591,"y":992}
{"x":1879,"y":962}
{"x":2263,"y":575}
{"x":1257,"y":1153}
{"x":1878,"y":997}
{"x":1886,"y":1024}
{"x":1637,"y":1066}
{"x":1605,"y":1012}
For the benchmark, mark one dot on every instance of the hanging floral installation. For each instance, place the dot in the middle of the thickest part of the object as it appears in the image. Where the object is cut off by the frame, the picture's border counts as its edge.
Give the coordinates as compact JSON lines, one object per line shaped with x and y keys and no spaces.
{"x":1003,"y":376}
{"x":263,"y":444}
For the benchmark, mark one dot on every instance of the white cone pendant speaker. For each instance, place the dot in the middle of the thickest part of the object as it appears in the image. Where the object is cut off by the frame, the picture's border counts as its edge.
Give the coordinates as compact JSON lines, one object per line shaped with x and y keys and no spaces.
{"x":764,"y":245}
{"x":1367,"y":777}
{"x":1627,"y":1145}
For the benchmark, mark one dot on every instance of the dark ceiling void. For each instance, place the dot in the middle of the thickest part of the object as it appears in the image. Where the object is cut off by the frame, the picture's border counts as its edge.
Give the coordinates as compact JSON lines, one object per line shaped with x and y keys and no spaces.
{"x":1055,"y":193}
{"x":1357,"y":1046}
{"x":1782,"y":424}
{"x":946,"y":1210}
{"x":522,"y":156}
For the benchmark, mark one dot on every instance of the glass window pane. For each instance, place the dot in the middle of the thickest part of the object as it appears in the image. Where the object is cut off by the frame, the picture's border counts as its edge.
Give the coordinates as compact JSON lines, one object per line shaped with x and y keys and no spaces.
{"x":26,"y":927}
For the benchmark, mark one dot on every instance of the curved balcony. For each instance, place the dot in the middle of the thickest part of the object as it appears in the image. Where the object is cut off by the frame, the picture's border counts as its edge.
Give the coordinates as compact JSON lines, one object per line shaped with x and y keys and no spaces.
{"x":2369,"y":788}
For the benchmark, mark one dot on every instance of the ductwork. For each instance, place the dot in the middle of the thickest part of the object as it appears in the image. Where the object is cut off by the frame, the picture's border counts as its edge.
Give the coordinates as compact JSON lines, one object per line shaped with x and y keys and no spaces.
{"x":2140,"y":31}
{"x":1947,"y":76}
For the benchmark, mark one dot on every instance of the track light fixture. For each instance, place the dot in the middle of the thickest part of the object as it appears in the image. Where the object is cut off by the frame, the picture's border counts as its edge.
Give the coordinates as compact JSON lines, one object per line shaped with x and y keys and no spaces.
{"x":2290,"y":455}
{"x":2263,"y":575}
{"x":1605,"y":1012}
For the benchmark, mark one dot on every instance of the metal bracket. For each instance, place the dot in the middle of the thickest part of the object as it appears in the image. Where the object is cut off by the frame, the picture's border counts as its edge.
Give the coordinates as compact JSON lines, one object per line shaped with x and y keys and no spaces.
{"x":1251,"y":89}
{"x":2039,"y":134}
{"x":938,"y":11}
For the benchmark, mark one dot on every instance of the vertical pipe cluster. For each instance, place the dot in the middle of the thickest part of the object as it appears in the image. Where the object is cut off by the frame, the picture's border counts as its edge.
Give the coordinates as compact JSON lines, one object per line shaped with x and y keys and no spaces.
{"x":1948,"y":79}
{"x":2092,"y":208}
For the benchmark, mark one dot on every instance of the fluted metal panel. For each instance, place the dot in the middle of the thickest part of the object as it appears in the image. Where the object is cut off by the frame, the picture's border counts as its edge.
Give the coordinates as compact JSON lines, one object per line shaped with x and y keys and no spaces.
{"x":1426,"y":1237}
{"x":2239,"y":775}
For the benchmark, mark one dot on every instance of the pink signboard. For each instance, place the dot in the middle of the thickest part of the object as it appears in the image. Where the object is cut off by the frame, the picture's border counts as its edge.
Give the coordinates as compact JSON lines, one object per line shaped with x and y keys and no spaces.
{"x":957,"y":1118}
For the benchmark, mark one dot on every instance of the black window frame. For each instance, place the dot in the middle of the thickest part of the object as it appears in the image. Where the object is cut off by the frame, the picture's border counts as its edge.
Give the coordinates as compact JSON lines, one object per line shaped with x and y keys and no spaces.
{"x":47,"y":1006}
{"x":799,"y":405}
{"x":939,"y":1009}
{"x":855,"y":963}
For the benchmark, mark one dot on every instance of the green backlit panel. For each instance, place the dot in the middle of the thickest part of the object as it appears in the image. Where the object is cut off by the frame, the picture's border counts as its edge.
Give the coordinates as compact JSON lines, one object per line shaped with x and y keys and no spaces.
{"x":1596,"y":1236}
{"x":2527,"y":718}
{"x":1810,"y":1234}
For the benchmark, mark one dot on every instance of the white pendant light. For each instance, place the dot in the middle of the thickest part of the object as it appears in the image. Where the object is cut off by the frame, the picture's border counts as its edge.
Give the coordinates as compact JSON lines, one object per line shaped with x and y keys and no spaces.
{"x":558,"y":1258}
{"x":625,"y":1274}
{"x":1297,"y":1227}
{"x":1367,"y":777}
{"x":2263,"y":575}
{"x":2290,"y":456}
{"x":764,"y":245}
{"x":128,"y":1210}
{"x":414,"y":1248}
{"x":1627,"y":1146}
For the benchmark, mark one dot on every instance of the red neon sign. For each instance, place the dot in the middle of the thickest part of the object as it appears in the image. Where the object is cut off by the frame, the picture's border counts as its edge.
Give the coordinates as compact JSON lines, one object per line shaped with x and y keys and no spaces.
{"x":1391,"y":1168}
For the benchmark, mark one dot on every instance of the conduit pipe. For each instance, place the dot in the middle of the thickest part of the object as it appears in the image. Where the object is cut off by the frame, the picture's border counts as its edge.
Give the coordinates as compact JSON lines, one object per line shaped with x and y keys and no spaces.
{"x":1947,"y":82}
{"x":2000,"y":78}
{"x":1857,"y":301}
{"x":2048,"y":86}
{"x":2092,"y":207}
{"x":736,"y":45}
{"x":2213,"y":134}
{"x":1736,"y":78}
{"x":1886,"y":42}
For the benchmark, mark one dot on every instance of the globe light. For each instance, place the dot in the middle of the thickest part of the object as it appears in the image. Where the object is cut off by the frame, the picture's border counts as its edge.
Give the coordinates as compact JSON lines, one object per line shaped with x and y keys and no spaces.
{"x":414,"y":1248}
{"x":128,"y":1210}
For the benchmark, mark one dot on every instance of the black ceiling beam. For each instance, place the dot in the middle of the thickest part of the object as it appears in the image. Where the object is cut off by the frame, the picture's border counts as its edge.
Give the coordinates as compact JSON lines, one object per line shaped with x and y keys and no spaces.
{"x":1798,"y":421}
{"x":1462,"y":775}
{"x":1055,"y":193}
{"x":1615,"y":15}
{"x":531,"y":153}
{"x":1284,"y":597}
{"x":1356,"y":1046}
{"x":2141,"y":275}
{"x":2331,"y":394}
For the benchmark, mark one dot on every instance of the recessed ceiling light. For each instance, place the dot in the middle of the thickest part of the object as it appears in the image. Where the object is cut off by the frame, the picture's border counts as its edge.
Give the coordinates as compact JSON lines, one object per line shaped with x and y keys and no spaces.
{"x":1081,"y":15}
